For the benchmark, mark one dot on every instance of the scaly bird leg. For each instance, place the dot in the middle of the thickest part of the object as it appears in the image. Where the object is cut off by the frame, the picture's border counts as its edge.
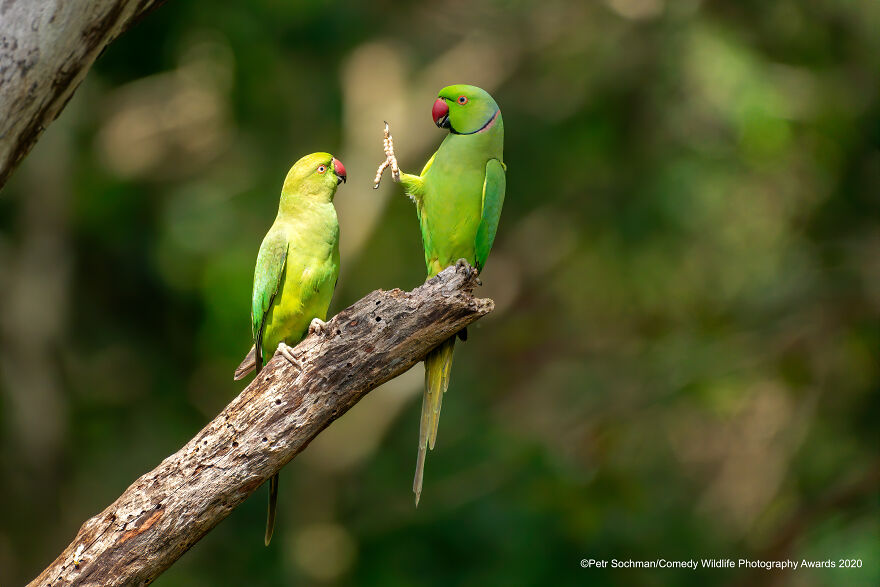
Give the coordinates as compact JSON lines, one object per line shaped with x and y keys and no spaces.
{"x":390,"y":159}
{"x":462,"y":264}
{"x":287,"y":353}
{"x":318,"y":326}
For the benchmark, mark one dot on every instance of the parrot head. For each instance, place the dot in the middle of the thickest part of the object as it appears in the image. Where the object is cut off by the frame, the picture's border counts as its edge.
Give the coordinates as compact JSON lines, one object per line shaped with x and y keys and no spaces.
{"x":464,"y":109}
{"x":317,"y":174}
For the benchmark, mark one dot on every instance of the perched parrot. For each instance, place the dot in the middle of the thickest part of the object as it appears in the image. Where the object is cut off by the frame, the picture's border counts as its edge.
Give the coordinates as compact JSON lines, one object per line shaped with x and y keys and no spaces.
{"x":296,"y":271}
{"x":458,"y":199}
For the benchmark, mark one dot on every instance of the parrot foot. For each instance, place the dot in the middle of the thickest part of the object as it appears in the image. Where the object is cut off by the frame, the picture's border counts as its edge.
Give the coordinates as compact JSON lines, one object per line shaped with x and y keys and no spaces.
{"x":287,"y":353}
{"x":462,"y":264}
{"x":390,"y":159}
{"x":318,"y":326}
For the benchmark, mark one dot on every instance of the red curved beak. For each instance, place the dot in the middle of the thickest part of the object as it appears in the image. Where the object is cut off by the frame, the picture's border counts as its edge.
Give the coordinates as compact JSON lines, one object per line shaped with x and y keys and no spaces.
{"x":440,"y":112}
{"x":339,"y":168}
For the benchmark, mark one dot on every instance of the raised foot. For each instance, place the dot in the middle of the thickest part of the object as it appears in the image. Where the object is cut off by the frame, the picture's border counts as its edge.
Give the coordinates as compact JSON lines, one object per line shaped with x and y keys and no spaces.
{"x":318,"y":326}
{"x":287,"y":353}
{"x":390,"y":159}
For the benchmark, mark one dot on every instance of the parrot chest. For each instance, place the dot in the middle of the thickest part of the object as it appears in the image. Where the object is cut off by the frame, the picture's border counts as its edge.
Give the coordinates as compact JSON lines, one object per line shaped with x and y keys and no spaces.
{"x":307,"y":284}
{"x":450,"y":210}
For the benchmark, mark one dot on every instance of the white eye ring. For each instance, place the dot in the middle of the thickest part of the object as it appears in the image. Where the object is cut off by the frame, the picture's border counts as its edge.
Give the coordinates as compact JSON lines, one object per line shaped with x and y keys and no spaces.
{"x":322,"y":168}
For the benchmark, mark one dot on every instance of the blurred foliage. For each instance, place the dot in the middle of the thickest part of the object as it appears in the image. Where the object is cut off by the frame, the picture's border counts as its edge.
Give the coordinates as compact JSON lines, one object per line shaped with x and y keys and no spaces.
{"x":684,"y":360}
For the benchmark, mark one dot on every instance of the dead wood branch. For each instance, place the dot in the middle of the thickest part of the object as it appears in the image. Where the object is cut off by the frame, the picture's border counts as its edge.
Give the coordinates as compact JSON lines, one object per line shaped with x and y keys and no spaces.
{"x":169,"y":509}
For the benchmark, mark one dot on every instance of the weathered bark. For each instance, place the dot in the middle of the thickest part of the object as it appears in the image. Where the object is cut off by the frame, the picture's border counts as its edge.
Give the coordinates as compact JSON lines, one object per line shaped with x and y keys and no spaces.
{"x":170,"y":508}
{"x":46,"y":48}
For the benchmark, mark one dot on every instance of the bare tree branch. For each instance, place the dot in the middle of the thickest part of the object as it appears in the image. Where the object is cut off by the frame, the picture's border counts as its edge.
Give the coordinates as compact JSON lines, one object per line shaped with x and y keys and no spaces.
{"x":46,"y":48}
{"x":170,"y":508}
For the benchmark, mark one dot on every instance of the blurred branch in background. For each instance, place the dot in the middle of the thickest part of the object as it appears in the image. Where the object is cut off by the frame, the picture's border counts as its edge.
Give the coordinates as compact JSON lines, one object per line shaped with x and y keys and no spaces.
{"x":171,"y":126}
{"x":34,"y":307}
{"x":46,"y":50}
{"x":845,"y":498}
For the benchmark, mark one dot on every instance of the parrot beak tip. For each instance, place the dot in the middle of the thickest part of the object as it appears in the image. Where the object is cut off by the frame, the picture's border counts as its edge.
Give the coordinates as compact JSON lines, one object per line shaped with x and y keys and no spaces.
{"x":339,"y":169}
{"x":440,"y":113}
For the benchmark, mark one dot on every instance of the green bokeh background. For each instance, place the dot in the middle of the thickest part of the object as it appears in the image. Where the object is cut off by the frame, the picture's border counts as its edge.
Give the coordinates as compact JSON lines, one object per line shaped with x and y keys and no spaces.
{"x":684,"y":359}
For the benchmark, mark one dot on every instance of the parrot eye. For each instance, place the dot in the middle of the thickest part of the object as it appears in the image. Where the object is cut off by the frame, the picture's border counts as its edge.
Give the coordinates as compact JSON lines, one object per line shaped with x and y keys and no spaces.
{"x":322,"y":168}
{"x":462,"y":100}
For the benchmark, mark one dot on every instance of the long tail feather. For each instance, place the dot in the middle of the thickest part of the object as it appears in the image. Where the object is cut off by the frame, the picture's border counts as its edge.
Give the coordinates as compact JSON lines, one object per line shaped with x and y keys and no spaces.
{"x":254,"y":363}
{"x":438,"y":365}
{"x":273,"y":507}
{"x":247,"y":365}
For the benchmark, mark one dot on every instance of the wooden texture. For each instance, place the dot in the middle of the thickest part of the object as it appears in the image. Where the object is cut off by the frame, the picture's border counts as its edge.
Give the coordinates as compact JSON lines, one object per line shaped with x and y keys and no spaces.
{"x":169,"y":509}
{"x":46,"y":48}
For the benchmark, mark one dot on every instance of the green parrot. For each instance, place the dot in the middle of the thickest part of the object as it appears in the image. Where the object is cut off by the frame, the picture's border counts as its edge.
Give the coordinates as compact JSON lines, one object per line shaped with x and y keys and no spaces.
{"x":296,"y":271}
{"x":458,"y":199}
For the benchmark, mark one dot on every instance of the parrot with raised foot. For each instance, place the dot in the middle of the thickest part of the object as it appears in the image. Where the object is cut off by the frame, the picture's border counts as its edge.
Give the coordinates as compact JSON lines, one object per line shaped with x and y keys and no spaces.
{"x":458,"y":197}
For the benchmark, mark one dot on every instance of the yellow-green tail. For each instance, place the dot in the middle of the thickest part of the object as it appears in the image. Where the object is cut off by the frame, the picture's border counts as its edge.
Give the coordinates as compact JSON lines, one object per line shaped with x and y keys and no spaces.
{"x":438,"y":365}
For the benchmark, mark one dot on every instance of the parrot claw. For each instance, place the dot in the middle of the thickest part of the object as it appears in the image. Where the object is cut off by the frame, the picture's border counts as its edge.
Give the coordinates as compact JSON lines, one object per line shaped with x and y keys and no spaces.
{"x":287,"y":353}
{"x":390,"y":159}
{"x":462,"y":264}
{"x":318,"y":326}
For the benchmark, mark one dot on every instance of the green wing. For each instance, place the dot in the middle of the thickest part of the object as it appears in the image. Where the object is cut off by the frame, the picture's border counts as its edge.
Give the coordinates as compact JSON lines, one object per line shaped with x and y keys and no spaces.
{"x":267,"y":281}
{"x":493,"y":199}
